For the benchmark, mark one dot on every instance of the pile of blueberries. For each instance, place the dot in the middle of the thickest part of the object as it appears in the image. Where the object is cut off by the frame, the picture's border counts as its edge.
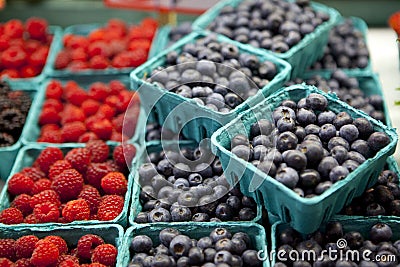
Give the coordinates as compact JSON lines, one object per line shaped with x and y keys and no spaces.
{"x":14,"y":107}
{"x":348,"y":90}
{"x":381,"y":199}
{"x":221,"y":248}
{"x":215,"y":74}
{"x":272,"y":25}
{"x":189,"y":185}
{"x":377,"y":244}
{"x":346,"y":48}
{"x":155,"y":132}
{"x":178,"y":32}
{"x":308,"y":147}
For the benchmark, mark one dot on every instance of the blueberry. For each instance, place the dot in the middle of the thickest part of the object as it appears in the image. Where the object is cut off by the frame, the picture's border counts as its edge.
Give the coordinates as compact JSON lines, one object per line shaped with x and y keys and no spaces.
{"x":246,"y":214}
{"x":181,"y":214}
{"x":286,"y":124}
{"x":351,"y":165}
{"x":141,"y":243}
{"x":229,"y":51}
{"x":289,"y":103}
{"x":378,"y":140}
{"x":209,"y":254}
{"x":380,"y":232}
{"x":286,"y":141}
{"x":334,"y":231}
{"x":326,"y":165}
{"x":164,"y":166}
{"x":295,"y":159}
{"x":316,"y":102}
{"x":313,"y":151}
{"x":259,"y":152}
{"x":305,"y":117}
{"x":206,"y":67}
{"x":300,"y":132}
{"x":364,"y":127}
{"x":161,"y":249}
{"x":200,"y":217}
{"x":165,"y":192}
{"x":251,"y":259}
{"x":354,"y":239}
{"x":287,"y":176}
{"x":267,"y":70}
{"x":390,"y":176}
{"x":281,"y":112}
{"x":232,"y":100}
{"x":196,"y":256}
{"x":327,"y":131}
{"x":244,"y":236}
{"x":353,"y":155}
{"x":326,"y":117}
{"x":219,"y":233}
{"x":309,"y":178}
{"x":183,"y":262}
{"x":338,"y":173}
{"x":224,"y":212}
{"x":322,"y":187}
{"x":239,"y":85}
{"x":239,"y":139}
{"x":362,"y":147}
{"x":342,"y":118}
{"x":312,"y":129}
{"x":142,"y":217}
{"x":146,"y":172}
{"x":375,"y":209}
{"x":261,"y":140}
{"x":148,"y":261}
{"x":267,"y":167}
{"x":339,"y":153}
{"x":308,"y":245}
{"x":234,"y":202}
{"x":223,"y":256}
{"x":301,"y":103}
{"x":181,"y":170}
{"x":184,"y":91}
{"x":159,"y":215}
{"x":181,"y":183}
{"x":338,"y":141}
{"x":161,"y":260}
{"x":349,"y":132}
{"x":180,"y":246}
{"x":243,"y":152}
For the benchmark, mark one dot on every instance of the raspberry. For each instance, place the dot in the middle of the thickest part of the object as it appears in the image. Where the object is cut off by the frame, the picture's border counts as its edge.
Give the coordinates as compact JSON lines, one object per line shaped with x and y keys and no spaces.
{"x":138,"y":57}
{"x":98,"y":91}
{"x":126,"y":99}
{"x":11,"y":216}
{"x":10,"y":73}
{"x":58,"y":167}
{"x":112,"y":100}
{"x":37,"y":28}
{"x":41,"y":185}
{"x":68,"y":263}
{"x":76,"y":210}
{"x":116,"y":86}
{"x":30,"y":219}
{"x":106,"y":112}
{"x":13,"y":57}
{"x":45,"y":253}
{"x":105,"y":254}
{"x":88,"y":136}
{"x":50,"y":196}
{"x":78,"y":65}
{"x":38,"y":58}
{"x":98,"y":62}
{"x":68,"y":258}
{"x":54,"y":90}
{"x":90,"y":107}
{"x":114,"y":183}
{"x":102,"y":128}
{"x":4,"y":262}
{"x":68,"y":184}
{"x":51,"y":137}
{"x":20,"y":184}
{"x":59,"y":242}
{"x":14,"y":28}
{"x":95,"y":172}
{"x":123,"y":155}
{"x":75,"y":96}
{"x":99,"y":151}
{"x":30,"y":71}
{"x":122,"y":60}
{"x":118,"y":122}
{"x":24,"y":262}
{"x":21,"y":202}
{"x":79,"y":54}
{"x":86,"y":245}
{"x":110,"y":207}
{"x":72,"y":113}
{"x":25,"y":245}
{"x":63,"y":59}
{"x":7,"y":248}
{"x":32,"y":45}
{"x":92,"y":197}
{"x":79,"y":159}
{"x":76,"y":41}
{"x":96,"y":264}
{"x":47,"y":157}
{"x":99,"y":48}
{"x":140,"y":44}
{"x":117,"y":46}
{"x":50,"y":127}
{"x":53,"y":103}
{"x":46,"y":212}
{"x":71,"y":131}
{"x":117,"y":137}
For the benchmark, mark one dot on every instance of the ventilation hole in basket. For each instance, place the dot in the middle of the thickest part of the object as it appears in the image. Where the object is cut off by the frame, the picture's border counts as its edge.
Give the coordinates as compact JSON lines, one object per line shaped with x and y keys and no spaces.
{"x":286,"y":214}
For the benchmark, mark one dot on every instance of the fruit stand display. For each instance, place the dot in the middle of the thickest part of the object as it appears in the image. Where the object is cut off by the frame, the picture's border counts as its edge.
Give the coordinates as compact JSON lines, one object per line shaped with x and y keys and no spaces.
{"x":257,"y":130}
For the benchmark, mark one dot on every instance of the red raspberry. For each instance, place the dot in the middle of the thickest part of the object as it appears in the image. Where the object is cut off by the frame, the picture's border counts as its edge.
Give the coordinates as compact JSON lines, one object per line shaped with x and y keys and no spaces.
{"x":54,"y":90}
{"x":102,"y":128}
{"x":86,"y":245}
{"x":122,"y":60}
{"x":68,"y":184}
{"x":118,"y":122}
{"x":138,"y":57}
{"x":99,"y":62}
{"x":117,"y":137}
{"x":76,"y":210}
{"x":68,"y":263}
{"x":32,"y":45}
{"x":106,"y":112}
{"x":90,"y":107}
{"x":72,"y":113}
{"x":112,"y":101}
{"x":116,"y":86}
{"x":105,"y":254}
{"x":123,"y":155}
{"x":99,"y":48}
{"x":150,"y":23}
{"x":7,"y":248}
{"x":79,"y":159}
{"x":99,"y":91}
{"x":24,"y":262}
{"x":95,"y":172}
{"x":117,"y":24}
{"x":41,"y":185}
{"x":10,"y":73}
{"x":59,"y":242}
{"x":95,"y":264}
{"x":140,"y":44}
{"x":76,"y":96}
{"x":88,"y":136}
{"x":68,"y":258}
{"x":49,"y":115}
{"x":127,"y":99}
{"x":30,"y":219}
{"x":45,"y":253}
{"x":4,"y":42}
{"x":50,"y":127}
{"x":79,"y":54}
{"x":21,"y":202}
{"x":51,"y":137}
{"x":58,"y":167}
{"x":25,"y":245}
{"x":14,"y":28}
{"x":20,"y":184}
{"x":71,"y":131}
{"x":78,"y":65}
{"x":11,"y":216}
{"x":99,"y":151}
{"x":38,"y":58}
{"x":53,"y":103}
{"x":46,"y":212}
{"x":112,"y":165}
{"x":48,"y":157}
{"x":117,"y":46}
{"x":110,"y":207}
{"x":37,"y":28}
{"x":13,"y":57}
{"x":62,"y":60}
{"x":114,"y":183}
{"x":4,"y":262}
{"x":50,"y":196}
{"x":76,"y":41}
{"x":30,"y":71}
{"x":92,"y":197}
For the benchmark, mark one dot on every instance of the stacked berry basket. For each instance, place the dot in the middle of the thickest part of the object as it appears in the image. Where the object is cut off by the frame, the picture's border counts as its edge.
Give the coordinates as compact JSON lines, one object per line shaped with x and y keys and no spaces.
{"x":191,"y":148}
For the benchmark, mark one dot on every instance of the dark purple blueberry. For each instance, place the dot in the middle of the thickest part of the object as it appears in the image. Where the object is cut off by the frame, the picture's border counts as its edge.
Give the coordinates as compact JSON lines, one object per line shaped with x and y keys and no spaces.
{"x":142,"y":217}
{"x":333,"y":231}
{"x":342,"y":118}
{"x":295,"y":159}
{"x":181,"y":170}
{"x":274,"y":155}
{"x":380,"y":232}
{"x":300,"y":132}
{"x":224,"y":244}
{"x":353,"y":155}
{"x":180,"y":246}
{"x":313,"y":138}
{"x":232,"y":100}
{"x":305,"y":117}
{"x":223,"y":256}
{"x":248,"y":202}
{"x":159,"y":215}
{"x":364,"y":127}
{"x":217,"y":167}
{"x":165,"y":167}
{"x":326,"y":117}
{"x":354,"y":239}
{"x":141,"y":243}
{"x":338,"y":141}
{"x":286,"y":124}
{"x":289,"y":103}
{"x":308,"y":245}
{"x":286,"y":141}
{"x":309,"y":178}
{"x":322,"y":187}
{"x":259,"y":152}
{"x":161,"y":260}
{"x":327,"y":131}
{"x":382,"y":194}
{"x":267,"y":167}
{"x":287,"y":176}
{"x":201,"y":217}
{"x":243,"y":152}
{"x":312,"y":129}
{"x":209,"y":254}
{"x":181,"y":183}
{"x":394,"y":189}
{"x":239,"y":139}
{"x":378,"y":140}
{"x":205,"y":242}
{"x":262,"y":140}
{"x":224,"y":212}
{"x":362,"y":147}
{"x":182,"y":262}
{"x":338,"y":173}
{"x":375,"y":209}
{"x":351,"y":165}
{"x":234,"y":202}
{"x":165,"y":192}
{"x":349,"y":132}
{"x":187,"y":199}
{"x":281,"y":112}
{"x":326,"y":165}
{"x":219,"y":233}
{"x":181,"y":214}
{"x":196,"y":256}
{"x":313,"y":151}
{"x":246,"y":214}
{"x":389,"y":176}
{"x":339,"y":153}
{"x":251,"y":259}
{"x":395,"y":207}
{"x":316,"y":102}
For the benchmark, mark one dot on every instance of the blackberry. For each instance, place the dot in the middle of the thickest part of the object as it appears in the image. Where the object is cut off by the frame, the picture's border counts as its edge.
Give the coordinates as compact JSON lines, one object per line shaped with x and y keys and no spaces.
{"x":6,"y":140}
{"x":11,"y":120}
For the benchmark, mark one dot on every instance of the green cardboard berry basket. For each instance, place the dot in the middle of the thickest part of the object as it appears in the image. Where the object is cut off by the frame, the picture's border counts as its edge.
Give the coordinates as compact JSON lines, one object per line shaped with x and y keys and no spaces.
{"x":201,"y":121}
{"x":279,"y":199}
{"x":31,"y":131}
{"x":9,"y":153}
{"x":156,"y":146}
{"x":360,"y":25}
{"x":27,"y":83}
{"x":195,"y":230}
{"x":362,"y":226}
{"x":25,"y":158}
{"x":111,"y":233}
{"x":300,"y":56}
{"x":160,"y":40}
